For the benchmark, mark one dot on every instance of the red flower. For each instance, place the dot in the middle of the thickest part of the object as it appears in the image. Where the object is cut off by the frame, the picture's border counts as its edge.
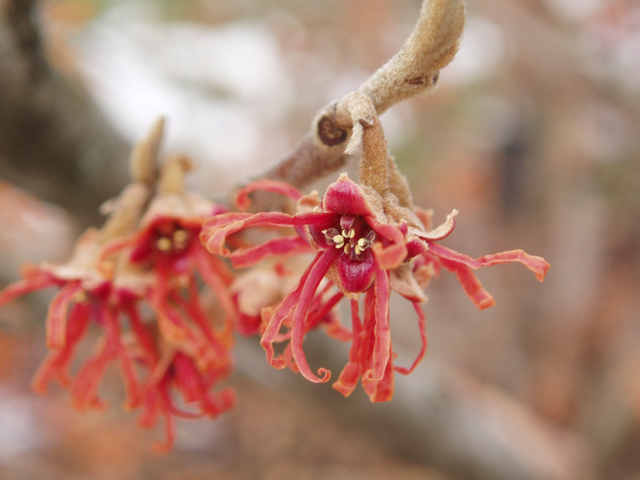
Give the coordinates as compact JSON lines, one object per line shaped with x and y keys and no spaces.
{"x":163,"y":262}
{"x":361,"y":250}
{"x":85,"y":288}
{"x":157,"y":259}
{"x":165,"y":258}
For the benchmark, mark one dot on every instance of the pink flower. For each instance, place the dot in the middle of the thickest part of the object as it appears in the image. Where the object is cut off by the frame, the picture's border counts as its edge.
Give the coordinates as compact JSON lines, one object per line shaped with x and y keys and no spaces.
{"x":163,"y":262}
{"x":360,"y":247}
{"x":85,"y":289}
{"x":133,"y":260}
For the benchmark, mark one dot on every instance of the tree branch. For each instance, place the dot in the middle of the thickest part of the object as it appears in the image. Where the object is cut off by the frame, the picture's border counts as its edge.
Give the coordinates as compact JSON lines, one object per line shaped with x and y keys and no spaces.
{"x":54,"y":141}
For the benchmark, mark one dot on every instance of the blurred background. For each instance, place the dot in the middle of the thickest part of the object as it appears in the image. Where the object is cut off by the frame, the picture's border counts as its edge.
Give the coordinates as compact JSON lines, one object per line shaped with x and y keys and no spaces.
{"x":533,"y":134}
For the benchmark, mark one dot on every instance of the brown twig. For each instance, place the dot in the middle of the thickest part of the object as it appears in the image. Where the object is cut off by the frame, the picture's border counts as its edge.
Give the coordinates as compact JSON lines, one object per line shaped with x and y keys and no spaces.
{"x":414,"y":70}
{"x":53,"y":139}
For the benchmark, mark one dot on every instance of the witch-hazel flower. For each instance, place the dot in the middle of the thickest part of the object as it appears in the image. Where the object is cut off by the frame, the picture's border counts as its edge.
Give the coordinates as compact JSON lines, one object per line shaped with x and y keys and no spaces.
{"x":163,"y":262}
{"x":369,"y":239}
{"x":176,"y":355}
{"x":85,"y":298}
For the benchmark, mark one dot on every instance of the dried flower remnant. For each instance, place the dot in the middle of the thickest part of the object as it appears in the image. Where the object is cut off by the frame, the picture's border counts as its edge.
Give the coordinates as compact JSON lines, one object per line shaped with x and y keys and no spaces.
{"x":369,"y":240}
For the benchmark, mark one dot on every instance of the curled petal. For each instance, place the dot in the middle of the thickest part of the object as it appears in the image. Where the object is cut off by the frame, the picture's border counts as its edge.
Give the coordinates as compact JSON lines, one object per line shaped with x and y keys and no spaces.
{"x":214,"y":238}
{"x":127,"y":367}
{"x":56,"y":364}
{"x":143,"y":336}
{"x":324,"y":316}
{"x":368,"y":340}
{"x":194,"y":388}
{"x":35,"y":281}
{"x":383,"y":391}
{"x":442,"y":231}
{"x":382,"y":346}
{"x":215,"y":342}
{"x":223,"y":219}
{"x":392,"y":255}
{"x":470,"y":283}
{"x":157,"y":402}
{"x":350,"y":374}
{"x":212,"y":265}
{"x":170,"y":434}
{"x":537,"y":265}
{"x":84,"y":394}
{"x":243,"y":201}
{"x":274,"y":319}
{"x":423,"y":337}
{"x":462,"y":266}
{"x":217,"y":277}
{"x":316,"y":274}
{"x":292,"y":245}
{"x":56,"y":322}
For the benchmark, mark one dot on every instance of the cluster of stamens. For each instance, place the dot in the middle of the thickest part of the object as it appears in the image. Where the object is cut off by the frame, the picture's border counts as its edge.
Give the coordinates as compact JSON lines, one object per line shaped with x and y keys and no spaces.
{"x":80,"y":297}
{"x":346,"y":240}
{"x":176,"y":242}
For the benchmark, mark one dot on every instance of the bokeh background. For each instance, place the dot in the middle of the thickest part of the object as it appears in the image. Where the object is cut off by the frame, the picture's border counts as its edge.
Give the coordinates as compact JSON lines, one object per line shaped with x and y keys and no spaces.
{"x":533,"y":134}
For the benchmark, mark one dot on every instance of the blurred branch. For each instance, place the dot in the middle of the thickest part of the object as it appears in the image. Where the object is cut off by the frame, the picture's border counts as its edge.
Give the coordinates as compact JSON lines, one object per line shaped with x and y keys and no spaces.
{"x":414,"y":70}
{"x":550,"y":58}
{"x":53,"y":140}
{"x":443,"y":418}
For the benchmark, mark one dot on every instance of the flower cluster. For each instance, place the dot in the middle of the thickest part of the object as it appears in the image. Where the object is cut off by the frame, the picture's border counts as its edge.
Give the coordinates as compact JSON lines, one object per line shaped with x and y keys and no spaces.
{"x":140,"y":286}
{"x":137,"y":283}
{"x":147,"y":257}
{"x":369,"y":239}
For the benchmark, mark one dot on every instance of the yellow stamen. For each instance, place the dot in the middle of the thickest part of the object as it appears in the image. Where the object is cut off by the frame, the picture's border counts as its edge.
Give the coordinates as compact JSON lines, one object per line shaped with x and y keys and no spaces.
{"x":163,"y":244}
{"x":180,"y":238}
{"x":80,"y":297}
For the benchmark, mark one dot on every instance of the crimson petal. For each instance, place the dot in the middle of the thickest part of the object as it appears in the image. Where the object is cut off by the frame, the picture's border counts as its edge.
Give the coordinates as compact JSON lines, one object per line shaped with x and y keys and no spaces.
{"x":537,"y":265}
{"x":278,"y":316}
{"x":382,"y":346}
{"x":356,"y":275}
{"x":316,"y":274}
{"x":243,"y":201}
{"x":293,"y":244}
{"x":423,"y":337}
{"x":214,"y":238}
{"x":347,"y":198}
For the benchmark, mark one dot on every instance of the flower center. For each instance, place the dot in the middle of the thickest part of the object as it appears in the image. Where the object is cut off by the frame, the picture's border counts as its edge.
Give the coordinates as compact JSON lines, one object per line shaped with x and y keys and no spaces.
{"x":176,"y":241}
{"x":347,"y":241}
{"x":80,"y":297}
